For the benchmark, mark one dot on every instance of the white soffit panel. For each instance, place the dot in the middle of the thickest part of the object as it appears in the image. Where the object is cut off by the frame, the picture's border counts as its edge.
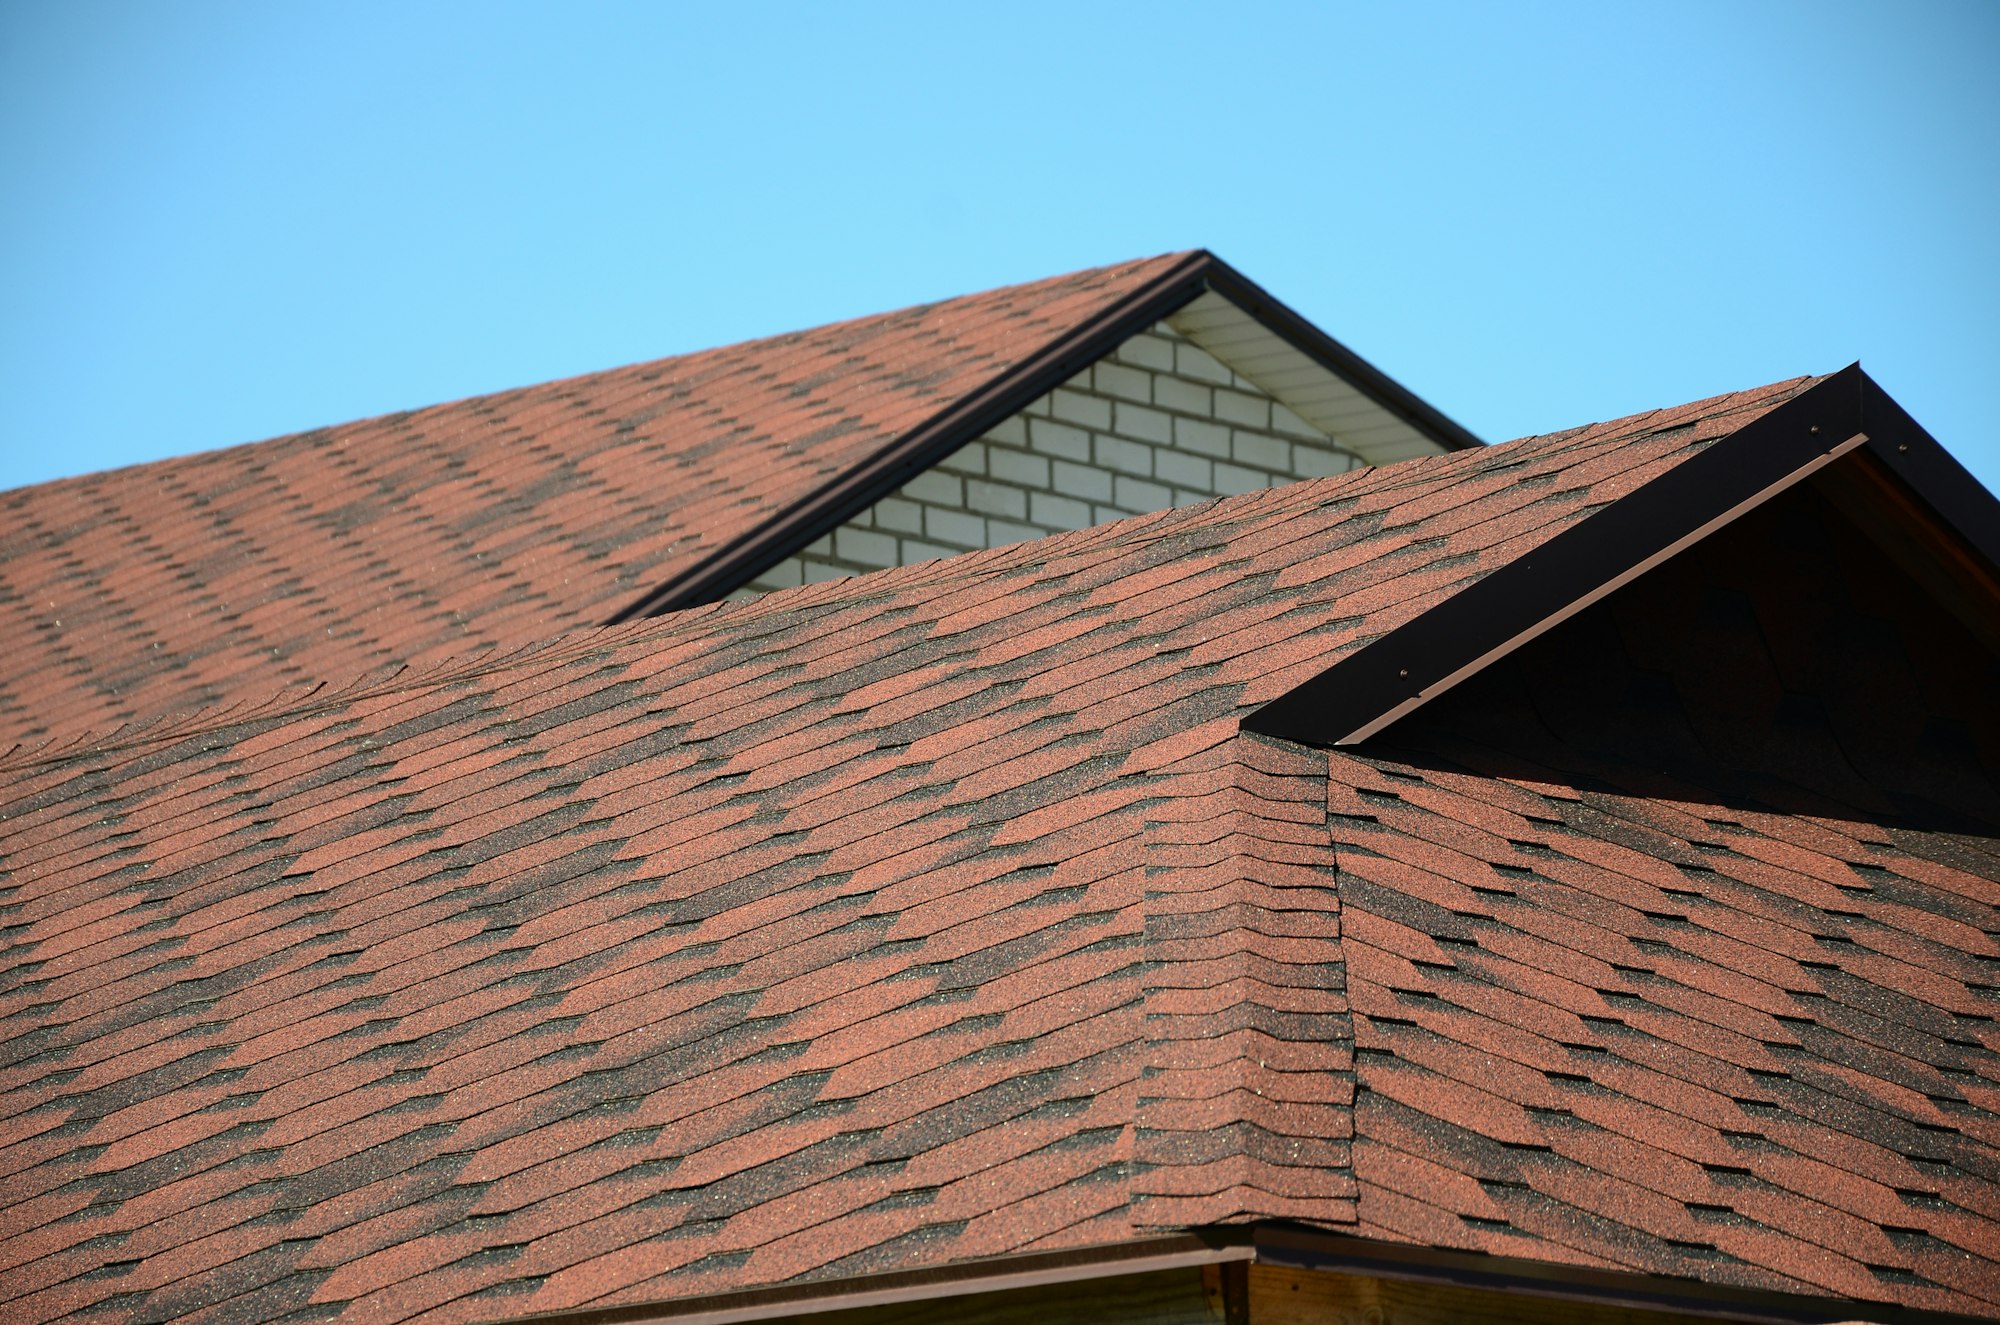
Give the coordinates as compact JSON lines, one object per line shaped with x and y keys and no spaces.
{"x":1316,"y":394}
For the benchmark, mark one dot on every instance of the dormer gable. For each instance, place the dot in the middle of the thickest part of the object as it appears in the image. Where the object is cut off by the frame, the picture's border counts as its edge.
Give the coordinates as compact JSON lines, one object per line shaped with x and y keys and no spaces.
{"x":1832,"y":533}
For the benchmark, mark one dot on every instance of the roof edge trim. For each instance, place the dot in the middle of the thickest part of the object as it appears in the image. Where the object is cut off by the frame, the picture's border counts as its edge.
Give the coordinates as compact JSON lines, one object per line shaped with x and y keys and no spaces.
{"x":1600,"y":591}
{"x":1490,"y":618}
{"x":1278,"y":1245}
{"x":1297,"y":1247}
{"x":1337,"y":359}
{"x":961,"y":1279}
{"x":736,"y":564}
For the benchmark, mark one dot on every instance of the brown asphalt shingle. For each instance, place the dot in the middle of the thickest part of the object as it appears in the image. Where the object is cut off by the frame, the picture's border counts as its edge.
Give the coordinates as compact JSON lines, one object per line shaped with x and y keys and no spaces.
{"x":495,"y":521}
{"x":1578,"y":1044}
{"x":929,"y":915}
{"x":1671,"y":949}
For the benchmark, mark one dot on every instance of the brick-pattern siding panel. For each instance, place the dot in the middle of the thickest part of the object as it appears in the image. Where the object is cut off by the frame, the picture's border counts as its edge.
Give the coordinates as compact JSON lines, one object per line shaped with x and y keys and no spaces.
{"x":1160,"y":422}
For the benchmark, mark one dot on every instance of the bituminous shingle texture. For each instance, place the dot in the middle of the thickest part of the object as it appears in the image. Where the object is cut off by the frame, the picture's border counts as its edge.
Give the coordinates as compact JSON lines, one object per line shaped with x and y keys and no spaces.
{"x":495,"y":521}
{"x":935,"y":914}
{"x":1245,"y":1107}
{"x":1771,"y":1068}
{"x":1670,"y":948}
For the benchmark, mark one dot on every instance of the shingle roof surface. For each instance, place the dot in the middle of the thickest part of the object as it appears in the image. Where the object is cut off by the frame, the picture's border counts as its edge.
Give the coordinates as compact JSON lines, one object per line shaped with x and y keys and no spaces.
{"x":498,"y":520}
{"x":1601,"y":1027}
{"x":1670,"y":947}
{"x":930,"y":915}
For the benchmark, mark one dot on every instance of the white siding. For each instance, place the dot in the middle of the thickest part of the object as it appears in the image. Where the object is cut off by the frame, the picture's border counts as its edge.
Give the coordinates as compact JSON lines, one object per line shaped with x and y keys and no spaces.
{"x":1160,"y":422}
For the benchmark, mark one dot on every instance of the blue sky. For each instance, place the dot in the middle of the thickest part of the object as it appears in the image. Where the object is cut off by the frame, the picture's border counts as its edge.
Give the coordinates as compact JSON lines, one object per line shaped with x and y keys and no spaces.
{"x":226,"y":222}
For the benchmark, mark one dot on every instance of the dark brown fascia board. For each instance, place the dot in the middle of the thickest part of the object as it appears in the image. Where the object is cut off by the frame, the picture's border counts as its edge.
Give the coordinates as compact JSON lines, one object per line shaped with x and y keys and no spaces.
{"x":996,"y":1274}
{"x":738,"y":563}
{"x":1930,"y":473}
{"x":1397,"y":673}
{"x":1318,"y":1249}
{"x":1337,"y":359}
{"x":1276,"y":1245}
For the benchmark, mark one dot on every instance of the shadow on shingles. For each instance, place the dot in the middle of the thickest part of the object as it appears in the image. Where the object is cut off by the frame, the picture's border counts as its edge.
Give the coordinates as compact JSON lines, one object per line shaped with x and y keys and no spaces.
{"x":1781,"y":666}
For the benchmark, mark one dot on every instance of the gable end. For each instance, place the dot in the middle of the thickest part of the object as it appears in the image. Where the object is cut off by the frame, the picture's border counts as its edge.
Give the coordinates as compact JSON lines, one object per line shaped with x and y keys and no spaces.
{"x":1843,"y":414}
{"x":1201,"y":284}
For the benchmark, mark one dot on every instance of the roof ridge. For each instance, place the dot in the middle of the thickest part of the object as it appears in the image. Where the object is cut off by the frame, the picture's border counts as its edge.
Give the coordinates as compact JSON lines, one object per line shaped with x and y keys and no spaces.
{"x":311,"y":697}
{"x":1248,"y":1031}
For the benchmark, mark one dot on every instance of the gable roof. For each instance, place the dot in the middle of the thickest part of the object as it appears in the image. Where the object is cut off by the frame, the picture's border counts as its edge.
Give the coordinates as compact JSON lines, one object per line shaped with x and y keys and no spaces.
{"x":937,"y":914}
{"x":504,"y":519}
{"x":1760,"y":460}
{"x":1670,"y":935}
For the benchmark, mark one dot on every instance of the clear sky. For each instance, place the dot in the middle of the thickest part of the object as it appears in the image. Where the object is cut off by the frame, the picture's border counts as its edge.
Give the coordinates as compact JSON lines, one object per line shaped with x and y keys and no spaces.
{"x":223,"y":222}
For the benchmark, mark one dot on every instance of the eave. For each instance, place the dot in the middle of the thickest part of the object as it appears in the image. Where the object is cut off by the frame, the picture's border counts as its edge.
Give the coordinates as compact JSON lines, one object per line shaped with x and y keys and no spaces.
{"x":1232,"y":1250}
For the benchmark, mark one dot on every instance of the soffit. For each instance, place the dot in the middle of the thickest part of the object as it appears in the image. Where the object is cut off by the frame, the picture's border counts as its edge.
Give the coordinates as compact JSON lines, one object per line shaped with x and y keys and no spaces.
{"x":1330,"y":402}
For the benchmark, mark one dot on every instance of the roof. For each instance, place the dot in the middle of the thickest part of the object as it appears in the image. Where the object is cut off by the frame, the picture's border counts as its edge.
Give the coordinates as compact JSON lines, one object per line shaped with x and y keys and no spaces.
{"x":504,"y":519}
{"x":1619,"y":996}
{"x":496,"y":520}
{"x":950,"y":912}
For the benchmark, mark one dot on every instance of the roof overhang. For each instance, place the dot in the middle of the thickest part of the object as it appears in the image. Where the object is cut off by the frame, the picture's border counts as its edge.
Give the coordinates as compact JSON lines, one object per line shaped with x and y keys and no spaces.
{"x":1289,"y":1247}
{"x":1938,"y":510}
{"x":1307,"y":370}
{"x":1380,"y":422}
{"x":995,"y":1274}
